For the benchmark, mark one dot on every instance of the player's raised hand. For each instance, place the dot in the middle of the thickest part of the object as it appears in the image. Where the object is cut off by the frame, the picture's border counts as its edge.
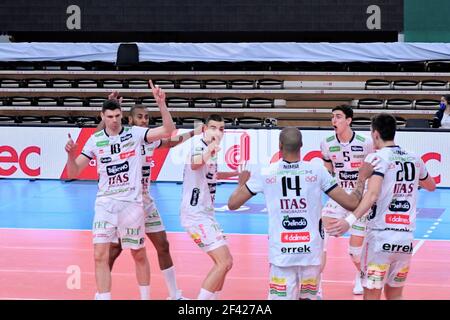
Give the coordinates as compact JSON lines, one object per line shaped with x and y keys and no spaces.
{"x":158,"y":93}
{"x":71,"y":147}
{"x":115,"y":96}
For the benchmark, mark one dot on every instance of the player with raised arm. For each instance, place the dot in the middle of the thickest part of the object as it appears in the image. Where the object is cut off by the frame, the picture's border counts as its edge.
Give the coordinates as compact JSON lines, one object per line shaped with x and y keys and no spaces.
{"x":118,"y":207}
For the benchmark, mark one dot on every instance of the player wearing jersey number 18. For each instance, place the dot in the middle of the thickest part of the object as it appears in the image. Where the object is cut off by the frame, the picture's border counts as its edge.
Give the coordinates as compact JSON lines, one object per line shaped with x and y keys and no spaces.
{"x":118,"y":207}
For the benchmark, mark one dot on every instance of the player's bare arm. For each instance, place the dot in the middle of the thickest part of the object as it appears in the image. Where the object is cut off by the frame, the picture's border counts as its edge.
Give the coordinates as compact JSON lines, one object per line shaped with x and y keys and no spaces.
{"x":241,"y":194}
{"x":168,"y":126}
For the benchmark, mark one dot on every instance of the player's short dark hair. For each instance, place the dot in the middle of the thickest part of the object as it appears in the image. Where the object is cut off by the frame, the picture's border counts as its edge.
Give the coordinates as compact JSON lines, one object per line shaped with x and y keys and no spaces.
{"x":346,"y":109}
{"x":447,"y":98}
{"x":386,"y":125}
{"x":110,"y":105}
{"x":291,"y":140}
{"x":214,"y":117}
{"x":136,"y":107}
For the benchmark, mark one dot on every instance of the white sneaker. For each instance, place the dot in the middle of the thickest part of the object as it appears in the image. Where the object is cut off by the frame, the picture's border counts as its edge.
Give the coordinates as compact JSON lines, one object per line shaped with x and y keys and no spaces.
{"x":179,"y":296}
{"x":358,"y":289}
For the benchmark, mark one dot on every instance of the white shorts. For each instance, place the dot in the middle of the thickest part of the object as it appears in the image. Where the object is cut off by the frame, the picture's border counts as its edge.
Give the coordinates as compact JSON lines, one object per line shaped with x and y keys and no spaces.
{"x":386,"y":258}
{"x":207,"y":234}
{"x":116,"y":220}
{"x":153,"y":221}
{"x":293,"y":283}
{"x":333,"y":210}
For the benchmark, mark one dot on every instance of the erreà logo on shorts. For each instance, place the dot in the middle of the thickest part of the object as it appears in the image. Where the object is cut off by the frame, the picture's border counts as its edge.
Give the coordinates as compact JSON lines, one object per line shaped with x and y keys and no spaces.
{"x":292,"y":223}
{"x":118,"y":168}
{"x":290,"y":237}
{"x":397,"y":219}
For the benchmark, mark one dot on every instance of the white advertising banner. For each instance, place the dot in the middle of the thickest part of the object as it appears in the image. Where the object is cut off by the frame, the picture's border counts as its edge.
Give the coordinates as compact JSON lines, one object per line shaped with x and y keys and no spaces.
{"x":38,"y":153}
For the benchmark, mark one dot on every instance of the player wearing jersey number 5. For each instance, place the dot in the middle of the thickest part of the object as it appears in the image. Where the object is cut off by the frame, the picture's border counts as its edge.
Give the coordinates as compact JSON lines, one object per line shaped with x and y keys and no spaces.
{"x":197,"y":206}
{"x":292,"y":191}
{"x":343,"y":154}
{"x":118,"y":207}
{"x":392,"y":198}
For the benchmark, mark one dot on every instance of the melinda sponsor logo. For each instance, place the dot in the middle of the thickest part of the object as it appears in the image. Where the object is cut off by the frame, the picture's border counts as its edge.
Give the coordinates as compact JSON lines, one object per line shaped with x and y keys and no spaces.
{"x":399,"y":206}
{"x":290,"y":237}
{"x":118,"y":168}
{"x":348,"y":175}
{"x":292,"y":223}
{"x":127,"y":155}
{"x":397,"y":219}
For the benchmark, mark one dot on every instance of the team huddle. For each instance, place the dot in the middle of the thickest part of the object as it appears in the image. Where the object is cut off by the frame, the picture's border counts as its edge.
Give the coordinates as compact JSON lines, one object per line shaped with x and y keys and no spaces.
{"x":372,"y":185}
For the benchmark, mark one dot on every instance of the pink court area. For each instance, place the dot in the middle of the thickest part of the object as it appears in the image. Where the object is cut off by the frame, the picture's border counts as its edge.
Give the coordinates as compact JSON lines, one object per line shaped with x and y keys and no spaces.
{"x":58,"y":264}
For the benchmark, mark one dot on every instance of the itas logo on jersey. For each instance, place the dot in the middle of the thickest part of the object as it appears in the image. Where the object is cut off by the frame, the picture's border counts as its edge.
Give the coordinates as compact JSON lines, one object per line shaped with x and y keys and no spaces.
{"x":117,"y":168}
{"x":399,"y":206}
{"x":293,"y":223}
{"x":292,"y":237}
{"x":338,"y":165}
{"x":357,"y":149}
{"x":397,"y":219}
{"x":348,"y":175}
{"x":289,"y":204}
{"x":126,"y":137}
{"x":398,"y":248}
{"x":127,"y":155}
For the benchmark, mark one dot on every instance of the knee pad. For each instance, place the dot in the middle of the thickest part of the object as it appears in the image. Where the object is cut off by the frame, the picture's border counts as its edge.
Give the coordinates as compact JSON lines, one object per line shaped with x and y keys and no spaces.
{"x":355,"y":253}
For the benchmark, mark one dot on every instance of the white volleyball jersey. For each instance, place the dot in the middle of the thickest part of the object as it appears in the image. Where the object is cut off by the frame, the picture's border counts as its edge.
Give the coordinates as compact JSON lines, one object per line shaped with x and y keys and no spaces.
{"x":293,"y":198}
{"x":118,"y":162}
{"x":147,"y":151}
{"x":346,"y":158}
{"x":395,"y":209}
{"x":199,"y":186}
